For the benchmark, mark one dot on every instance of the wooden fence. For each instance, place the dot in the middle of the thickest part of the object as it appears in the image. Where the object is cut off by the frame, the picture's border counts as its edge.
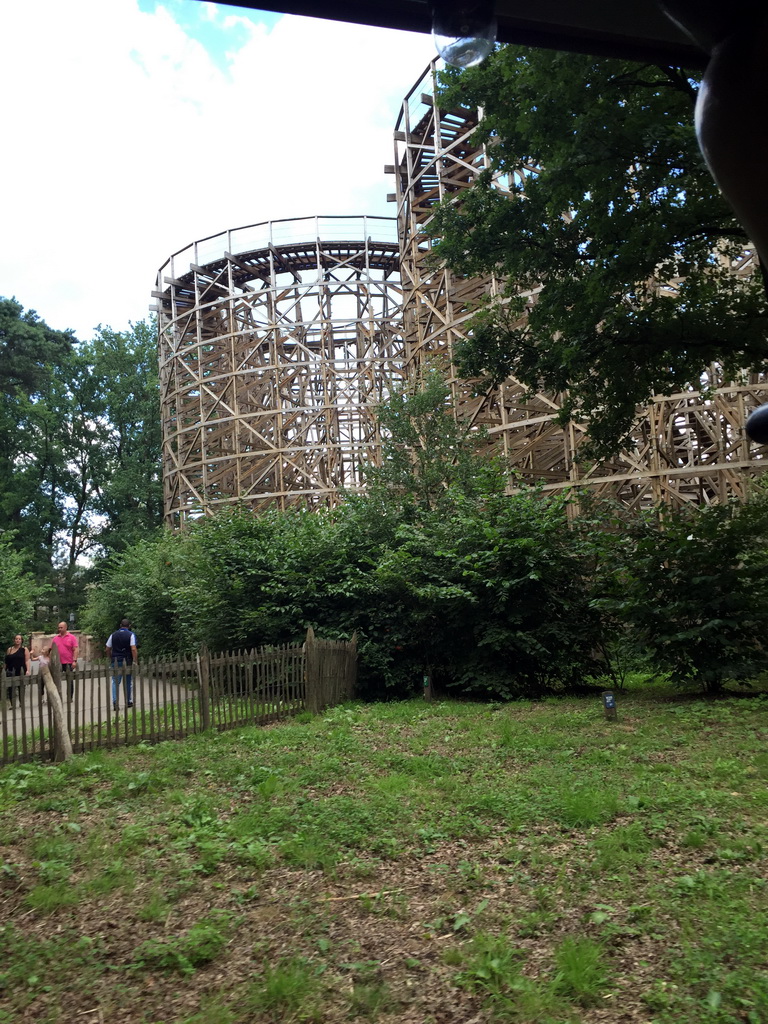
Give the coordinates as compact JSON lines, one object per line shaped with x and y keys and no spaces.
{"x":175,"y":697}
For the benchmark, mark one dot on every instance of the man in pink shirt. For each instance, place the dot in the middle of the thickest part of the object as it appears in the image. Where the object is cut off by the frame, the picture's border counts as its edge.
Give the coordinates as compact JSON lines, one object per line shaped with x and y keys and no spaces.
{"x":67,"y":644}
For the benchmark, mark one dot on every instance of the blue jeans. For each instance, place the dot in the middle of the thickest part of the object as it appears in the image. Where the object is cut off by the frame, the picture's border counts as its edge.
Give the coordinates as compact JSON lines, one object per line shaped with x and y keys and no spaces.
{"x":117,"y":661}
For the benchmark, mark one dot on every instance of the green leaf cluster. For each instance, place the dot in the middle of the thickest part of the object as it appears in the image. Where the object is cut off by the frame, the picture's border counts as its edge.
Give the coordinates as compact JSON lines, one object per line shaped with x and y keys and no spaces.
{"x":79,"y":447}
{"x":489,"y":599}
{"x":616,"y":244}
{"x":506,"y":595}
{"x":690,"y":586}
{"x":427,"y":453}
{"x":17,"y":590}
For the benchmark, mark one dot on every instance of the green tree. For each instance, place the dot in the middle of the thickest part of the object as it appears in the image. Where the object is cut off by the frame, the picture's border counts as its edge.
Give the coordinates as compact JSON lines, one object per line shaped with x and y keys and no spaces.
{"x":434,"y":566}
{"x":28,"y":347}
{"x":33,"y":358}
{"x":123,"y":387}
{"x":79,"y":446}
{"x":426,"y":453}
{"x":610,"y":203}
{"x":147,"y":583}
{"x":18,"y":590}
{"x":109,"y":436}
{"x":492,"y":597}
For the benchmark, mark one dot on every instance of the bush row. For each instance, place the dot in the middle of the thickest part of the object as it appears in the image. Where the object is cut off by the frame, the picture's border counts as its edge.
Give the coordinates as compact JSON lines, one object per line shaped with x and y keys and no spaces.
{"x":495,"y":595}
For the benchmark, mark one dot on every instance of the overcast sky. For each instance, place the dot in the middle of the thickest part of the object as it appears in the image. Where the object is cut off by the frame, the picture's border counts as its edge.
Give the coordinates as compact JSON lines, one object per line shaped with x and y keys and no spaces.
{"x":133,"y":127}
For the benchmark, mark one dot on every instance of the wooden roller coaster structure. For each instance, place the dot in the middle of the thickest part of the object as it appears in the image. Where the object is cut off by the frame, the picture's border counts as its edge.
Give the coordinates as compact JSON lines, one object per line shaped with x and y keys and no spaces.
{"x":276,"y":343}
{"x":278,"y":340}
{"x":688,"y":447}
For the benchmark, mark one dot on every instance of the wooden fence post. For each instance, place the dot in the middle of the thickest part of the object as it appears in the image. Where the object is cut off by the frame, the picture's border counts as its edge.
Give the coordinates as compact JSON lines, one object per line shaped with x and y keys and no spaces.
{"x":204,"y":675}
{"x":352,"y":667}
{"x":312,"y":672}
{"x":62,"y":744}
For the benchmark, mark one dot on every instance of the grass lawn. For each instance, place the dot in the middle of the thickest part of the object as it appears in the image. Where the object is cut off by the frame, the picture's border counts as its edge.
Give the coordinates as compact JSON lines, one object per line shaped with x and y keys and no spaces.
{"x":439,"y":863}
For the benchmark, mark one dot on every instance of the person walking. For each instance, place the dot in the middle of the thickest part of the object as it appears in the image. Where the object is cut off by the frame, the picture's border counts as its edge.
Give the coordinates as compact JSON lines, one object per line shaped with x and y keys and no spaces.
{"x":16,"y":664}
{"x":122,"y":650}
{"x":68,"y":646}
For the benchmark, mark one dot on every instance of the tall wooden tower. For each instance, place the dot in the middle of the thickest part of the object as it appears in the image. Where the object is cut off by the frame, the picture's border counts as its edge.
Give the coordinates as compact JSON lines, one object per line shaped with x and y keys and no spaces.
{"x":276,"y":343}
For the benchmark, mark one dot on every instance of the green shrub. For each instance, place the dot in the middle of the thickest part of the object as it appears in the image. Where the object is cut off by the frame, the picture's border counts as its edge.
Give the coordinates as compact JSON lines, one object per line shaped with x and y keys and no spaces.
{"x":692,"y":587}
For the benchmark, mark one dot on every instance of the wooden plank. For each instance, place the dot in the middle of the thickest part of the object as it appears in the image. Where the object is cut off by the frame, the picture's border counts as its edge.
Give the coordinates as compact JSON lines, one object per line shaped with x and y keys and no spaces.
{"x":126,"y":724}
{"x":92,"y":702}
{"x":130,"y":713}
{"x":204,"y":675}
{"x":153,"y":699}
{"x":34,"y":740}
{"x":7,"y":758}
{"x":179,"y":692}
{"x":22,"y":701}
{"x":226,"y":672}
{"x":140,"y":696}
{"x":78,"y":711}
{"x":237,"y":687}
{"x":42,"y":715}
{"x":180,"y":700}
{"x":96,"y":698}
{"x":110,"y":712}
{"x":164,"y":698}
{"x":258,"y":683}
{"x":192,"y":705}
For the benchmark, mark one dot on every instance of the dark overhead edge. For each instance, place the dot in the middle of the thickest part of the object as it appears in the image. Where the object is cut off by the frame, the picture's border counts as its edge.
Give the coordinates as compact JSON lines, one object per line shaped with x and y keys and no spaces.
{"x":639,"y":39}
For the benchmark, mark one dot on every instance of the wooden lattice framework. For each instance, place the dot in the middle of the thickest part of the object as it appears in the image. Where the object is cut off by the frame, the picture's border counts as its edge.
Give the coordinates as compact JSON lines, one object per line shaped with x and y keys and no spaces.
{"x":276,"y":342}
{"x":688,"y":447}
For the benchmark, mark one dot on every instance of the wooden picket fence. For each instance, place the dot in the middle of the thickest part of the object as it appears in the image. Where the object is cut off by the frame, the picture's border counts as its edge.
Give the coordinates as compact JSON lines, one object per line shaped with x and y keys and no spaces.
{"x":176,"y":697}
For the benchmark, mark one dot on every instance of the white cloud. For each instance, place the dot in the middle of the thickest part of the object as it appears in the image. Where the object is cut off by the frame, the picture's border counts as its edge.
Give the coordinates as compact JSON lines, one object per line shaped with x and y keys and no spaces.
{"x":126,"y":139}
{"x":209,"y":12}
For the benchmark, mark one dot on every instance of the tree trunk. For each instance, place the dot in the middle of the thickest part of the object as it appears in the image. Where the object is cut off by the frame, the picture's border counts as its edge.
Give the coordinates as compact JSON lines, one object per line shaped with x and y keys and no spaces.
{"x":62,"y":750}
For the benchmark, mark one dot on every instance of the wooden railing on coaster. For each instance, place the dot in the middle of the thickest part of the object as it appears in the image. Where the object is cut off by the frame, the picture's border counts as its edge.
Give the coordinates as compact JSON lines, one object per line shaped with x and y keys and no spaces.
{"x":169,"y":698}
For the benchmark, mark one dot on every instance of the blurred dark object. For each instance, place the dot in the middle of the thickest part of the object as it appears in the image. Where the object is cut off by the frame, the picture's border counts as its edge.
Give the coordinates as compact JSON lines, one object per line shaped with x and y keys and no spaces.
{"x":757,"y":425}
{"x":729,"y":40}
{"x":633,"y":29}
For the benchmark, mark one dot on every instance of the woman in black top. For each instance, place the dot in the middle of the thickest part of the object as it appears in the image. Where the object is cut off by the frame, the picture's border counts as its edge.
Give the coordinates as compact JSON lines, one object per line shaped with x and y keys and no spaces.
{"x":16,"y":662}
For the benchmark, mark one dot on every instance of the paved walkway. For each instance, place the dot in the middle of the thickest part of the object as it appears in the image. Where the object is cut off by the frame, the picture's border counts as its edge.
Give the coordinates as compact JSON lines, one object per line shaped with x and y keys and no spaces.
{"x":91,"y":703}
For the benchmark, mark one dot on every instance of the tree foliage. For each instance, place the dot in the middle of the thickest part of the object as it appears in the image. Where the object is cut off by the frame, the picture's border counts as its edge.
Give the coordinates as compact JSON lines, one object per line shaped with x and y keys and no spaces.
{"x":145,"y":583}
{"x":610,"y":200}
{"x":491,"y":599}
{"x":32,"y":459}
{"x":79,"y":446}
{"x":28,"y":347}
{"x":18,"y":589}
{"x":503,"y":597}
{"x":437,"y":570}
{"x":427,"y":453}
{"x":691,"y":586}
{"x":123,"y":386}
